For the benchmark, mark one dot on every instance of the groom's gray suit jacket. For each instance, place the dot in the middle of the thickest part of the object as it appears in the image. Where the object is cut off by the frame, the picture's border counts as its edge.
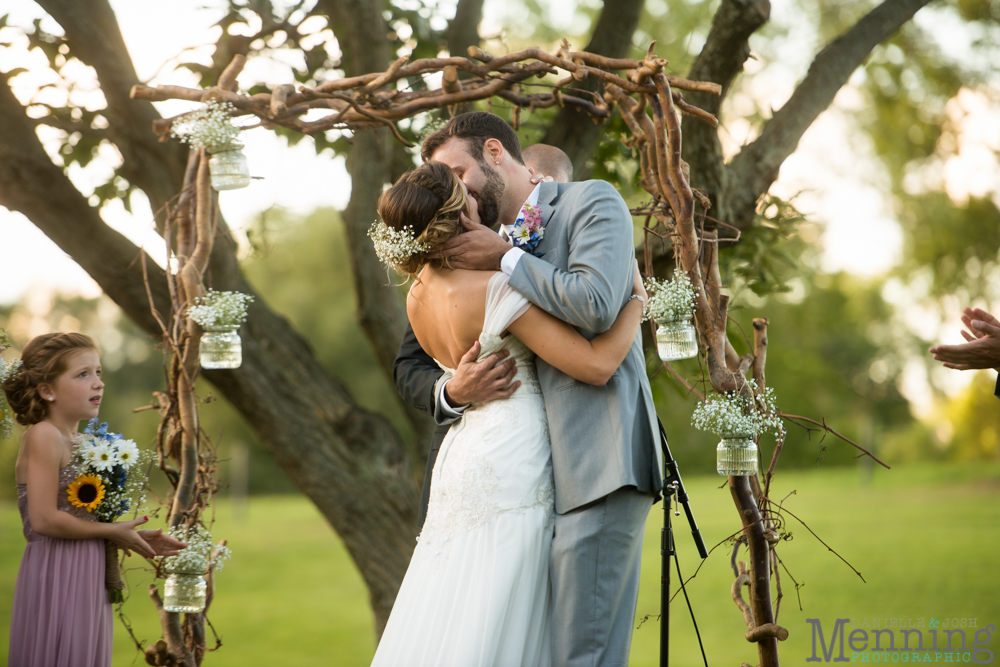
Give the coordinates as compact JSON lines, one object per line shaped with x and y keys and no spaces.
{"x":603,"y":438}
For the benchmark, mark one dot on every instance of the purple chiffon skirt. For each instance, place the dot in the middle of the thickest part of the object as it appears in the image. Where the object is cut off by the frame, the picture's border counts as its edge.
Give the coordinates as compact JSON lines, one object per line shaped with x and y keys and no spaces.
{"x":61,"y":616}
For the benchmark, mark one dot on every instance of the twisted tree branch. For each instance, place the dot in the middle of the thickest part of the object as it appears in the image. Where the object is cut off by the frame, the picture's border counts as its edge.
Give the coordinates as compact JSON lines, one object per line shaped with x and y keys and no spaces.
{"x":756,"y":167}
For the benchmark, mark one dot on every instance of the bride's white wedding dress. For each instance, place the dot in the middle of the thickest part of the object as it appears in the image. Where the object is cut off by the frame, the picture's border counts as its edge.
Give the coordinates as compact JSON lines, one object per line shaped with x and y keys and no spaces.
{"x":477,"y":589}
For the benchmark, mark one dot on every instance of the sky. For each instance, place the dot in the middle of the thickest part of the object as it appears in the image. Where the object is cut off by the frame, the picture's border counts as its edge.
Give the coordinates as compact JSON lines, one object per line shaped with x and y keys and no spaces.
{"x":836,"y":182}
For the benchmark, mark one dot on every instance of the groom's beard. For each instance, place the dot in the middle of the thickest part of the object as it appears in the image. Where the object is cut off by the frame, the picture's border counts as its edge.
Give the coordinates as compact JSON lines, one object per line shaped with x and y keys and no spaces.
{"x":490,"y":195}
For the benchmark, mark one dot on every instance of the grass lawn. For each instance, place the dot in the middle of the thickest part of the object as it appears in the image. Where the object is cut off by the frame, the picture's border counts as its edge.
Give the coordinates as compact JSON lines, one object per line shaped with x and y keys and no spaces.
{"x":925,"y":538}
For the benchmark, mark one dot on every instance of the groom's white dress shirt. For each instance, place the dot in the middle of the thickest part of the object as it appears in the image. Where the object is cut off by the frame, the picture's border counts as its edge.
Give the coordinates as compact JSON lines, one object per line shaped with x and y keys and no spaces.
{"x":507,"y":264}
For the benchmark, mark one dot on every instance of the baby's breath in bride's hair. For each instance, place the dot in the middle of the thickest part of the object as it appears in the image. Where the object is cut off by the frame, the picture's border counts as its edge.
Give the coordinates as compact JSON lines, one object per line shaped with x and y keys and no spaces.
{"x":394,"y":246}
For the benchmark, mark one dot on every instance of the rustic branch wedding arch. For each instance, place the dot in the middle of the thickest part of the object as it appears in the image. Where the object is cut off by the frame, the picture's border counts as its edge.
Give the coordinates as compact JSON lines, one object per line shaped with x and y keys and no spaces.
{"x":650,"y":102}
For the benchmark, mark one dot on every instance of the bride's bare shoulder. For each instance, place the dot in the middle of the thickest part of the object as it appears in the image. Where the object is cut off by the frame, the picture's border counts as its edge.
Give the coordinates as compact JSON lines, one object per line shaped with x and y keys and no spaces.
{"x":473,"y":280}
{"x":456,"y":284}
{"x":447,"y":310}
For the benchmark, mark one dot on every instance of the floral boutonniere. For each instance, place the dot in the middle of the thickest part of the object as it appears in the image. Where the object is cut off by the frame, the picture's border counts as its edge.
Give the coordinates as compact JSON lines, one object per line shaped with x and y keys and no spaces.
{"x":528,"y":232}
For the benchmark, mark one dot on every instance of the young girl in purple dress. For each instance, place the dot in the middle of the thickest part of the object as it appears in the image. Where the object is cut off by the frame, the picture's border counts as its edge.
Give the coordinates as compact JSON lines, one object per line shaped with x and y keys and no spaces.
{"x":62,"y":617}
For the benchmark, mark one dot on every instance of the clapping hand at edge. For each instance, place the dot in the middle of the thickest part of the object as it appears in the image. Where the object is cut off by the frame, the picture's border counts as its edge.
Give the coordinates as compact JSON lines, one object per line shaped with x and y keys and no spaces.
{"x":982,"y":349}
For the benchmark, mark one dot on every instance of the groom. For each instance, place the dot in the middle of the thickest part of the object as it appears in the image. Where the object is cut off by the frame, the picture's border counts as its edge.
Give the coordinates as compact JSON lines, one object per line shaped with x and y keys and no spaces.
{"x":605,"y":441}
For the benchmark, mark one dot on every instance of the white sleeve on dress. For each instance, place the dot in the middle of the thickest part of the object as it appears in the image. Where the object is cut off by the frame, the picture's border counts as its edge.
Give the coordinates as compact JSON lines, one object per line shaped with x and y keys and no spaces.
{"x":504,"y":304}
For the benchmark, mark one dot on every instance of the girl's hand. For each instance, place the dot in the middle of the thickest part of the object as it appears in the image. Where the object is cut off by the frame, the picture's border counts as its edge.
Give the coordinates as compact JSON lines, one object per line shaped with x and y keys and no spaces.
{"x":163,"y":545}
{"x":637,"y":286}
{"x":128,"y":539}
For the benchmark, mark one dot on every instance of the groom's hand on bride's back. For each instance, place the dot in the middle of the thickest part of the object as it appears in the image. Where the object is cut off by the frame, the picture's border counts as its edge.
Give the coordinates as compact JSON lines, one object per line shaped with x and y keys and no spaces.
{"x":478,"y":249}
{"x":481,"y":381}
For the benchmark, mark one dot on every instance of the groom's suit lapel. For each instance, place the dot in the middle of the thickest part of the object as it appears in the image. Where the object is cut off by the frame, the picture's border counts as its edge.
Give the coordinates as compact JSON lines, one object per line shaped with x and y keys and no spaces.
{"x":548,"y":197}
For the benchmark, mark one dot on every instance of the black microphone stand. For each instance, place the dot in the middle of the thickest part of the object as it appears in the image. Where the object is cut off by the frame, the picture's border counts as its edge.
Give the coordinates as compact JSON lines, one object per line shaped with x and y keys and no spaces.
{"x":673,"y":489}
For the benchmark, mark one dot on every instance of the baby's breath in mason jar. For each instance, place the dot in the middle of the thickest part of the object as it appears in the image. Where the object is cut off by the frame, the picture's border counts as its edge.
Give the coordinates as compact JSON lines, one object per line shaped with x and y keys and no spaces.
{"x":220,"y":315}
{"x":676,"y":340}
{"x":211,"y":127}
{"x":221,"y":347}
{"x":186,"y":587}
{"x":229,"y":167}
{"x":739,"y":417}
{"x":185,"y":592}
{"x":671,"y":305}
{"x":736,"y":455}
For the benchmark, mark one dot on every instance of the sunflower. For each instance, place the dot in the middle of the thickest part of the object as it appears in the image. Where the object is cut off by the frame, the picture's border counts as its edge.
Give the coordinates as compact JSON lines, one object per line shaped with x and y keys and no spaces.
{"x":87,"y":491}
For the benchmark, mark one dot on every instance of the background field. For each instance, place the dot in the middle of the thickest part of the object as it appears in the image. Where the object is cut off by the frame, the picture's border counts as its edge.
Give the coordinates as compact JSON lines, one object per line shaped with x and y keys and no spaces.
{"x":924,"y":537}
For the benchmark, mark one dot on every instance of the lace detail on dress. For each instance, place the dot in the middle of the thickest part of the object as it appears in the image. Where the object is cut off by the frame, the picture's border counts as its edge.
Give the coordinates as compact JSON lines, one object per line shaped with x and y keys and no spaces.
{"x":466,"y":491}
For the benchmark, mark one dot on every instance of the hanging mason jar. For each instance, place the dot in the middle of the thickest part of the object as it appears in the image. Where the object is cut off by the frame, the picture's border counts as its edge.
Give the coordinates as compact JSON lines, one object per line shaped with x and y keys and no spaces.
{"x":221,"y":347}
{"x":185,"y":592}
{"x":676,"y":340}
{"x":736,"y":455}
{"x":228,"y":166}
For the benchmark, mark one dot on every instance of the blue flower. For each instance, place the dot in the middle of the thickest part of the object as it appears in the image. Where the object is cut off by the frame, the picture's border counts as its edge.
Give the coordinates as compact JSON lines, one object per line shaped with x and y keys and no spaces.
{"x":525,"y":239}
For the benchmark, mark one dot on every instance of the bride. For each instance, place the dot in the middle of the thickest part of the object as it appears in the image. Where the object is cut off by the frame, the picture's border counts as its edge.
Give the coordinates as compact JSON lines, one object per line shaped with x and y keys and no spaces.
{"x":477,"y":588}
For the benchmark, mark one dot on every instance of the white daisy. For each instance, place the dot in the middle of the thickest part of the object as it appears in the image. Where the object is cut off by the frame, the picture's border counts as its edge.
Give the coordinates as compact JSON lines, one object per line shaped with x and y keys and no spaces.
{"x":102,"y":457}
{"x":128,"y":453}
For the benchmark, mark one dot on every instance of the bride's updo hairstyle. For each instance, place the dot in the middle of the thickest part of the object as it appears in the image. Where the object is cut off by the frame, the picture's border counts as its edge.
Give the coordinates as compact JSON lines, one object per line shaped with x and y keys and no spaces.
{"x":43,"y":360}
{"x":427,"y":199}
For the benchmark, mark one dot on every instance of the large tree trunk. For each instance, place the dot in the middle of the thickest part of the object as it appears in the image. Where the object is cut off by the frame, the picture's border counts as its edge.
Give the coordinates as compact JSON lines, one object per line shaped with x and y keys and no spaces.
{"x":721,"y":59}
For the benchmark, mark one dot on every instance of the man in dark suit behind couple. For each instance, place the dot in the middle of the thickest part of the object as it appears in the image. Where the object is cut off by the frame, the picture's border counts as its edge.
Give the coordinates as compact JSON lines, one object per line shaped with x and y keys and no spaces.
{"x":605,"y":440}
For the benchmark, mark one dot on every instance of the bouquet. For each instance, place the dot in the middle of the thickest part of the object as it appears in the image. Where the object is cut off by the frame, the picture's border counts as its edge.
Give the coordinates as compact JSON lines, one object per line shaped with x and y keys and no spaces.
{"x":209,"y":127}
{"x":220,"y":309}
{"x":670,"y":300}
{"x":6,"y":371}
{"x":740,"y":413}
{"x":201,"y":554}
{"x":110,"y":483}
